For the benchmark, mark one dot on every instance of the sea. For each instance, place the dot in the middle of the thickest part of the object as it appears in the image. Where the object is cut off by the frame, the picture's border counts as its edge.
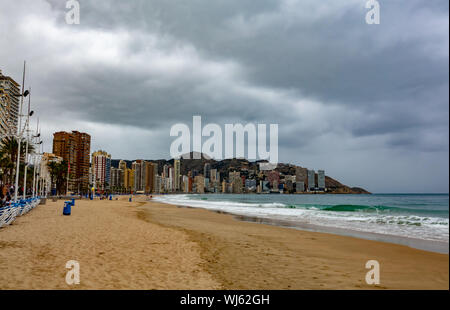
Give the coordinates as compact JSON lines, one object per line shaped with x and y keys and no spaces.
{"x":416,"y":220}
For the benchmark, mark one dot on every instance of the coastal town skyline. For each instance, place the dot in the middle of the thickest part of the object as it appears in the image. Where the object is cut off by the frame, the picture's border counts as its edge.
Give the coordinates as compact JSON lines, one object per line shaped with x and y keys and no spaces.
{"x":72,"y":168}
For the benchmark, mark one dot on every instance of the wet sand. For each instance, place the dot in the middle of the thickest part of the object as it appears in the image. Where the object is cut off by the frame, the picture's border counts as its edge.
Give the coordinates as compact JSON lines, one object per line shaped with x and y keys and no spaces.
{"x":137,"y":245}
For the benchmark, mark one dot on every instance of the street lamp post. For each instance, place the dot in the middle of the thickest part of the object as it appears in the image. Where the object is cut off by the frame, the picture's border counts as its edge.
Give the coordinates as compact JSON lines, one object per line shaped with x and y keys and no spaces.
{"x":35,"y":160}
{"x":30,"y":113}
{"x":19,"y":137}
{"x":34,"y":174}
{"x":34,"y":167}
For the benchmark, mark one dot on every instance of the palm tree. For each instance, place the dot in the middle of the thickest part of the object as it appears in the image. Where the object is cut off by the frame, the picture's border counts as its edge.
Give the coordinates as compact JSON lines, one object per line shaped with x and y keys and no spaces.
{"x":58,"y":174}
{"x":6,"y":167}
{"x":8,"y":156}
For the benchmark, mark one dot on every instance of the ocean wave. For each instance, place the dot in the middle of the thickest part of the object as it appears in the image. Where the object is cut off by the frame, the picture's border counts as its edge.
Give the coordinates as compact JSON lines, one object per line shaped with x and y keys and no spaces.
{"x":378,"y":219}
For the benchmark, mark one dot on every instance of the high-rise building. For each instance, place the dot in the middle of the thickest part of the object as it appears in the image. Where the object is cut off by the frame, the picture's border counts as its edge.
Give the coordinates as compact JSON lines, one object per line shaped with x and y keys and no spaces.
{"x":4,"y":122}
{"x":236,"y":182}
{"x":273,"y":177}
{"x":74,"y":148}
{"x":91,"y":176}
{"x":101,"y":163}
{"x":165,"y":172}
{"x":126,"y":176}
{"x":137,"y":167}
{"x":170,"y":178}
{"x":207,"y":171}
{"x":265,"y":186}
{"x":122,"y":165}
{"x":311,"y":180}
{"x":151,"y":172}
{"x":288,"y":185}
{"x":9,"y":104}
{"x":321,"y":180}
{"x":177,"y":173}
{"x":185,"y":183}
{"x":300,"y":187}
{"x":199,"y":184}
{"x":213,"y":175}
{"x":301,"y":175}
{"x":224,"y":186}
{"x":116,"y":179}
{"x":250,"y":185}
{"x":129,"y":179}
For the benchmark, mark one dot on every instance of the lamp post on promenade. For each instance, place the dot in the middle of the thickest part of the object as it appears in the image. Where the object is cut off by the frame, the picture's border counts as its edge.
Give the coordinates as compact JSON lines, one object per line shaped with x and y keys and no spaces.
{"x":19,"y":135}
{"x":30,"y":113}
{"x":36,"y":156}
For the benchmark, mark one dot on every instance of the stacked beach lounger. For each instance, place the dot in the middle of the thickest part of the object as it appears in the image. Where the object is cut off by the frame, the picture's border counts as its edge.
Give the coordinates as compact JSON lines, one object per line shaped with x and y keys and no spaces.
{"x":9,"y":212}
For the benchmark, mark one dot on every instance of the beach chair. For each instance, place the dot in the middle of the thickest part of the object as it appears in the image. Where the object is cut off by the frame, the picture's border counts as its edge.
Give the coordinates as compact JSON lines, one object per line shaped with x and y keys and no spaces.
{"x":9,"y":214}
{"x":11,"y":210}
{"x":21,"y":207}
{"x":4,"y":212}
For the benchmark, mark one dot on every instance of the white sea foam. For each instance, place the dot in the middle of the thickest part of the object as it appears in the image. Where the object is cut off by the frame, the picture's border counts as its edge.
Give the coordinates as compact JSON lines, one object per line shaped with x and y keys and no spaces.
{"x":413,"y":226}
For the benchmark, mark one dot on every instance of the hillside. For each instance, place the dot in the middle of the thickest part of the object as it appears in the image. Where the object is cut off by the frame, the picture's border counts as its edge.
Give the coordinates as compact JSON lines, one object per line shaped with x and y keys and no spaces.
{"x":227,"y":165}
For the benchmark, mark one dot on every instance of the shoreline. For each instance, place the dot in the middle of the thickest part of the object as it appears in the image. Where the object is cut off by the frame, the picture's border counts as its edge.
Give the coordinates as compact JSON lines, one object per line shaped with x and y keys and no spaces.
{"x":435,"y":246}
{"x":414,"y":243}
{"x":313,"y":260}
{"x":151,"y":245}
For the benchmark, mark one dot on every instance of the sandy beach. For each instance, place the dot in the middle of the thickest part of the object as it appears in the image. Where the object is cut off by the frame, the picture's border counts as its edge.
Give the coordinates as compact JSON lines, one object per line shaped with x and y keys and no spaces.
{"x":149,"y":245}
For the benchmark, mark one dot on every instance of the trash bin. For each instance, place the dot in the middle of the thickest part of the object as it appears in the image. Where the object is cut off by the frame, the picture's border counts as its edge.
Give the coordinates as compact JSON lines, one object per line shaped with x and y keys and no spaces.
{"x":67,"y":208}
{"x":73,"y":201}
{"x":129,"y":199}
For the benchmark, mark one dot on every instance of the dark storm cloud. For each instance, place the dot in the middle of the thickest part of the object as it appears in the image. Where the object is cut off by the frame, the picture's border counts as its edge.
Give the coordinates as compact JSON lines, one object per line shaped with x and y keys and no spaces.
{"x":313,"y":67}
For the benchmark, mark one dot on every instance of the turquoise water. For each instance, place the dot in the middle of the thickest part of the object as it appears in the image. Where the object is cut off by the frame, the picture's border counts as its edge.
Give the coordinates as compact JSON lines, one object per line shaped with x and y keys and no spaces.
{"x":418,"y":216}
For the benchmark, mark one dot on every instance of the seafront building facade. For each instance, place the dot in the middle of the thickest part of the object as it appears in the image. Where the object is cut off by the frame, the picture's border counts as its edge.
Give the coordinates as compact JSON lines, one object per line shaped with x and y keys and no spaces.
{"x":74,"y":147}
{"x":101,"y":163}
{"x":9,"y":104}
{"x":5,"y":127}
{"x":117,"y":179}
{"x":311,"y":180}
{"x":301,"y":175}
{"x":150,"y":177}
{"x":321,"y":180}
{"x":136,"y":166}
{"x":176,"y":171}
{"x":154,"y":177}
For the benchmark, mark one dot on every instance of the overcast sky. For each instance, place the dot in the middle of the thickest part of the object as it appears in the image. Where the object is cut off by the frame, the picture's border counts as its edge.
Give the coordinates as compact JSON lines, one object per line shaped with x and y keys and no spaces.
{"x":369,"y":104}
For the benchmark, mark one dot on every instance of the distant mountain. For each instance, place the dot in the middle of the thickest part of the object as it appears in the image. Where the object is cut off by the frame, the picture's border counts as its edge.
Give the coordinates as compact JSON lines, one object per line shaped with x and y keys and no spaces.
{"x":236,"y":164}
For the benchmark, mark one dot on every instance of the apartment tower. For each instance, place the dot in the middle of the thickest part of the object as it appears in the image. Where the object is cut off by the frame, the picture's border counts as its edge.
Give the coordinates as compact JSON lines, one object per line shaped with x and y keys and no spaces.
{"x":9,"y":104}
{"x":74,"y":147}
